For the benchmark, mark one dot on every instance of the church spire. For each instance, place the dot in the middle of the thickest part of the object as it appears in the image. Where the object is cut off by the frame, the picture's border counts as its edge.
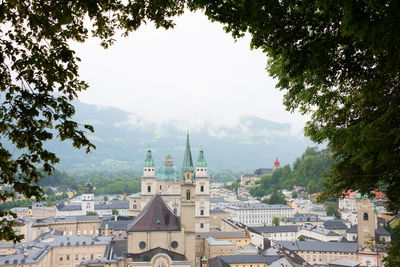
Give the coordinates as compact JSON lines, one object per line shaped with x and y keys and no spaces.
{"x":187,"y":164}
{"x":201,"y":161}
{"x":149,"y":162}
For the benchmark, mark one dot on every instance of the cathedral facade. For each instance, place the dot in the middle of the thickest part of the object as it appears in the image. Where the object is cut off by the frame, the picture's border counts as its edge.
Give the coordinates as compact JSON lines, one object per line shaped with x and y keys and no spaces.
{"x":167,"y":181}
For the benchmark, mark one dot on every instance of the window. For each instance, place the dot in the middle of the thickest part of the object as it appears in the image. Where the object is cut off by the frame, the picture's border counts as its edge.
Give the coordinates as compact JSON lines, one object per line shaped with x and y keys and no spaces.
{"x":67,"y":257}
{"x":77,"y":257}
{"x":91,"y":256}
{"x":202,"y":188}
{"x":175,"y":210}
{"x":61,"y":258}
{"x":188,"y":195}
{"x":148,"y":188}
{"x":83,"y":257}
{"x":134,"y":206}
{"x":365,"y":216}
{"x":201,"y":212}
{"x":160,"y":187}
{"x":187,"y":175}
{"x":201,"y":225}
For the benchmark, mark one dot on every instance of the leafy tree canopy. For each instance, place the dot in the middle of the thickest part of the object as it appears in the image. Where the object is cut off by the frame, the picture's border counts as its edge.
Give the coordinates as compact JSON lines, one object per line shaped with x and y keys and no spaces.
{"x":39,"y":78}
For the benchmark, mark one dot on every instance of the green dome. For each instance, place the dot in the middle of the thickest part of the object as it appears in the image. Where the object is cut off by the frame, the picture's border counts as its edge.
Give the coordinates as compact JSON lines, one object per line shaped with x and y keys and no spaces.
{"x":201,"y":162}
{"x":149,"y":162}
{"x":168,"y":173}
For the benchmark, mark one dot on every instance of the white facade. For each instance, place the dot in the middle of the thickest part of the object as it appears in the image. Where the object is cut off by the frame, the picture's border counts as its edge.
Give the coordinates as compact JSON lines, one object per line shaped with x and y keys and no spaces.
{"x":258,"y":214}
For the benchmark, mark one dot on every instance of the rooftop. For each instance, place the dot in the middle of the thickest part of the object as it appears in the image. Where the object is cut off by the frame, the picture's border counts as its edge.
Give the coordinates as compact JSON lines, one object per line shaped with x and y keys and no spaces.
{"x":318,"y":246}
{"x":156,"y":216}
{"x":221,"y":235}
{"x":275,"y":229}
{"x":259,"y":206}
{"x":113,"y":204}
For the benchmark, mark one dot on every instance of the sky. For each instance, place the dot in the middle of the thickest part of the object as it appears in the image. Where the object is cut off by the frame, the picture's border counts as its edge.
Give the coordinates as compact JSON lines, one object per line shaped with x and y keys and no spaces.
{"x":195,"y":74}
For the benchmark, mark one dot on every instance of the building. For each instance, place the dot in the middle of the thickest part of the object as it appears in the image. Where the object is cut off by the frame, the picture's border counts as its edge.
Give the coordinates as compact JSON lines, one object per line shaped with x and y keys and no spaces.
{"x":286,"y":232}
{"x":88,"y":205}
{"x":312,"y":232}
{"x":257,"y":214}
{"x":249,"y":260}
{"x":166,"y":182}
{"x":54,"y":250}
{"x":337,"y":226}
{"x":249,"y":180}
{"x":300,"y":219}
{"x":216,"y":216}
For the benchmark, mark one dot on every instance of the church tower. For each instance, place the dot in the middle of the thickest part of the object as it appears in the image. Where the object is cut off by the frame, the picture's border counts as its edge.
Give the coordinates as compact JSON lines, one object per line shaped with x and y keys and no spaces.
{"x":366,"y":225}
{"x":149,"y":180}
{"x":188,"y":203}
{"x":202,"y":194}
{"x":88,"y":199}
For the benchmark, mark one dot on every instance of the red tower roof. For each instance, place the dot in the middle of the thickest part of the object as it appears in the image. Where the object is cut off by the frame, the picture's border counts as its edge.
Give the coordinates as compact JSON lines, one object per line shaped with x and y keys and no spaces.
{"x":276,"y":163}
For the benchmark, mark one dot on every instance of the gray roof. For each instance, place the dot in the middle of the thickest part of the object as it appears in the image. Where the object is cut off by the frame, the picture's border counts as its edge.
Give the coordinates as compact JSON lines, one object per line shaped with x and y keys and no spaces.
{"x":217,"y":211}
{"x":222,"y":261}
{"x":217,"y":200}
{"x":335,"y":225}
{"x":68,"y":207}
{"x":113,"y":204}
{"x":318,"y":230}
{"x":260,"y":206}
{"x":352,"y":230}
{"x":299,"y":217}
{"x":318,"y":246}
{"x":275,"y":229}
{"x":79,"y":218}
{"x":34,"y":252}
{"x":378,"y":231}
{"x":221,"y":234}
{"x":119,"y":225}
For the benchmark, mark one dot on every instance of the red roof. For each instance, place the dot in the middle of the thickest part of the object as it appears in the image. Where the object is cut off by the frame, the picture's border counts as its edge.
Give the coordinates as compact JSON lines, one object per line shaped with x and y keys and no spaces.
{"x":156,"y":216}
{"x":276,"y":163}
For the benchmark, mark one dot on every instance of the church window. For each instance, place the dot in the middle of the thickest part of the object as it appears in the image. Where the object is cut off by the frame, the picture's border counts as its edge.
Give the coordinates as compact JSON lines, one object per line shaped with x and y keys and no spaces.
{"x":187,"y":175}
{"x":201,"y":212}
{"x":149,"y":188}
{"x":188,"y":195}
{"x":365,"y":216}
{"x":67,"y":257}
{"x":202,"y":188}
{"x":160,"y":187}
{"x":142,"y":244}
{"x":174,"y":244}
{"x":134,"y":206}
{"x":201,"y":225}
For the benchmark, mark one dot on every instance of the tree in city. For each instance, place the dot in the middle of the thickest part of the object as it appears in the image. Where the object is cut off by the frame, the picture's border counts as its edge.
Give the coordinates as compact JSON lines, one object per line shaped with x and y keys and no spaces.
{"x":276,"y":221}
{"x":276,"y":198}
{"x":332,"y":209}
{"x":91,"y":213}
{"x":295,"y":194}
{"x":114,"y":212}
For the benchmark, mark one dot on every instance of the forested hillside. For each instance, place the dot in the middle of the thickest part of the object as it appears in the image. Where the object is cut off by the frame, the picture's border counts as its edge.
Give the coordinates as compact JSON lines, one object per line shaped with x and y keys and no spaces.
{"x":307,"y":171}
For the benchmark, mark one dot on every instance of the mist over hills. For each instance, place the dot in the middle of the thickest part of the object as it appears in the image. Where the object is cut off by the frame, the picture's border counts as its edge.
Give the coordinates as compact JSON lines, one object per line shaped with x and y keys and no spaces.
{"x":122,"y":139}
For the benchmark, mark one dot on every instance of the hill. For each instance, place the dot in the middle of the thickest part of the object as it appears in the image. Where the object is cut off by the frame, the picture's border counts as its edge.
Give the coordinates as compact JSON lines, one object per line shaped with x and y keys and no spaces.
{"x":307,"y":171}
{"x":122,"y":138}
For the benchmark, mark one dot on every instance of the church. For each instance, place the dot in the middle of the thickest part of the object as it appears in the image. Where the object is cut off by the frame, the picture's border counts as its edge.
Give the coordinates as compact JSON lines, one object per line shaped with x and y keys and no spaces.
{"x":167,"y":181}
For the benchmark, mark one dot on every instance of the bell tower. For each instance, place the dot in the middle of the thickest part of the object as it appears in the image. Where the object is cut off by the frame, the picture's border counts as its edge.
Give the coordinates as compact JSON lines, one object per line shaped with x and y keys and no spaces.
{"x":148,"y":180}
{"x":188,"y":203}
{"x":366,"y":225}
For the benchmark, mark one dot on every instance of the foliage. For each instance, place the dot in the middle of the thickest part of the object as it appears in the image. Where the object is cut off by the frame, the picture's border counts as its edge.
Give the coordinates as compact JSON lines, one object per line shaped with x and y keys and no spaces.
{"x":39,"y":78}
{"x":105,"y":198}
{"x":27,"y":202}
{"x":91,"y":213}
{"x":339,"y":62}
{"x":332,"y":209}
{"x":115,"y":212}
{"x":302,"y":238}
{"x":276,"y":221}
{"x":295,"y":194}
{"x":276,"y":198}
{"x":234,"y":185}
{"x":308,"y":171}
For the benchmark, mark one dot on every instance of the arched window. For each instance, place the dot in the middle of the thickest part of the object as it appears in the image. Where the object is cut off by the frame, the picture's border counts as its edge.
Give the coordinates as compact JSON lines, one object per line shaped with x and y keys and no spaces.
{"x":149,"y":188}
{"x":160,"y":187}
{"x":365,"y":216}
{"x":187,"y":175}
{"x":202,"y":188}
{"x":188,"y":195}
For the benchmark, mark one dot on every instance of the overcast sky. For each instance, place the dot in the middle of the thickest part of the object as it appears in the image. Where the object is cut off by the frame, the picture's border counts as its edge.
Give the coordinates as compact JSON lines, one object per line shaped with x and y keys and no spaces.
{"x":194,"y":73}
